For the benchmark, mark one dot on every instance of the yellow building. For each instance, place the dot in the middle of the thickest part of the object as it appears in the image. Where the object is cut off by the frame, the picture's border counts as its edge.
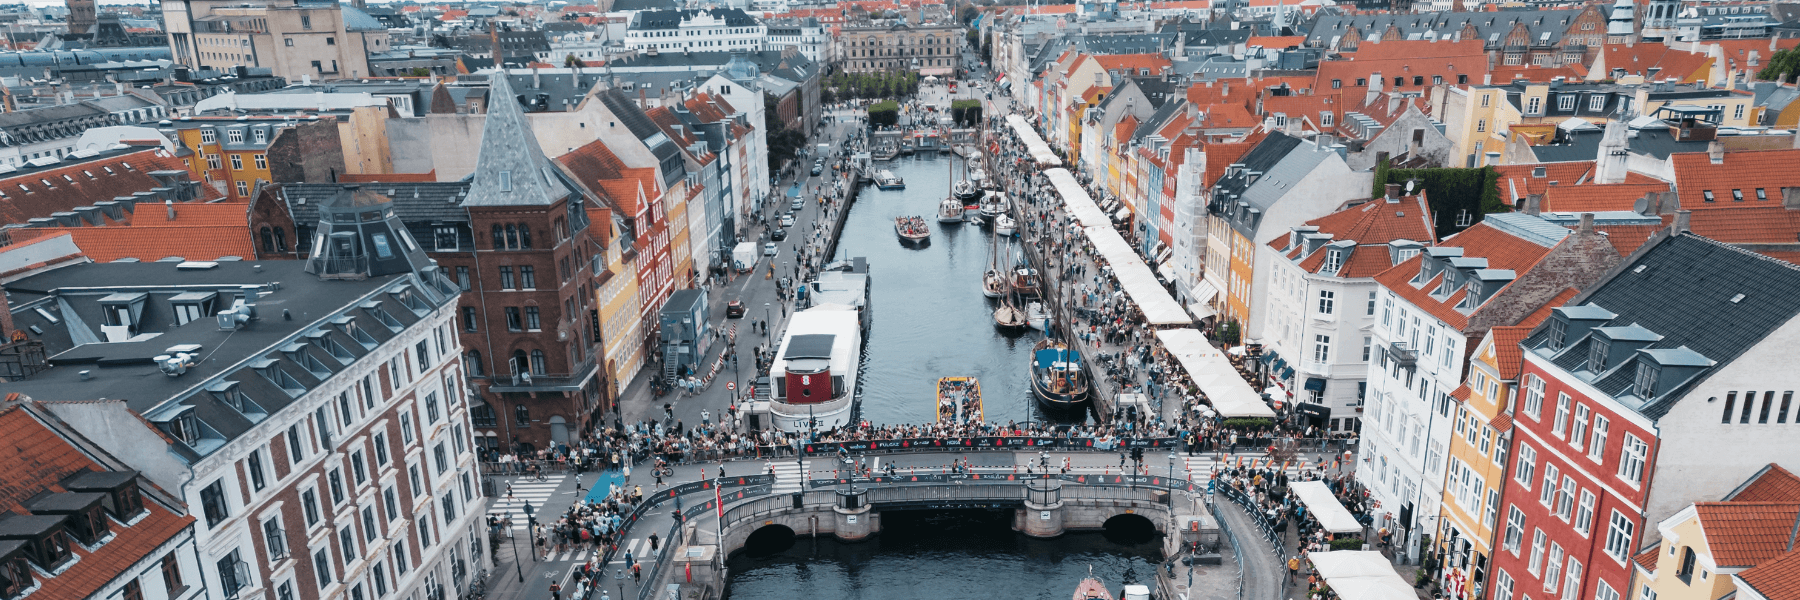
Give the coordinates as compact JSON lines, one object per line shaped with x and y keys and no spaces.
{"x":1743,"y":546}
{"x":620,"y":327}
{"x":1470,"y":511}
{"x":1479,"y":119}
{"x":231,"y":154}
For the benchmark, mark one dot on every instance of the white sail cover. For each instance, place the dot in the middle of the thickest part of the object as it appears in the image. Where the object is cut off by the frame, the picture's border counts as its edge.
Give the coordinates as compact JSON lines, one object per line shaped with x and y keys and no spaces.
{"x":1212,"y":372}
{"x":1325,"y":507}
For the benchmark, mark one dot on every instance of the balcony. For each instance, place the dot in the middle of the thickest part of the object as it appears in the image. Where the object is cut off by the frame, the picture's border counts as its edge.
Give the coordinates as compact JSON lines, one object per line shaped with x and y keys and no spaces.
{"x":1404,"y":354}
{"x":548,"y":382}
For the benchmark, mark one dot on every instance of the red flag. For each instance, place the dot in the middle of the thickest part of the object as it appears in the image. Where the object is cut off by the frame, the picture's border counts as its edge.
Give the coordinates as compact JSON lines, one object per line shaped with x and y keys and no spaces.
{"x":719,"y":499}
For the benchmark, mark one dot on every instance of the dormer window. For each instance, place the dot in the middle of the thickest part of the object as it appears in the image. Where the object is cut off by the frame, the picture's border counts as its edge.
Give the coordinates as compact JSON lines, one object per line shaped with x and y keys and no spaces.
{"x":1557,"y":327}
{"x":229,"y":394}
{"x":1597,"y":350}
{"x":272,"y":371}
{"x":1645,"y":383}
{"x":15,"y":577}
{"x":506,"y":181}
{"x":183,"y":427}
{"x":1334,"y":259}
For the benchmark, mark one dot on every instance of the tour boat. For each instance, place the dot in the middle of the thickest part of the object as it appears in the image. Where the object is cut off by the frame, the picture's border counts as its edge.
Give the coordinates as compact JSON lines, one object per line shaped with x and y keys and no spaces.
{"x":886,"y":151}
{"x":958,"y":401}
{"x":815,"y":368}
{"x":1004,"y":225}
{"x":912,"y":229}
{"x":950,"y":211}
{"x":887,"y":180}
{"x":1057,"y":376}
{"x":1036,"y":317}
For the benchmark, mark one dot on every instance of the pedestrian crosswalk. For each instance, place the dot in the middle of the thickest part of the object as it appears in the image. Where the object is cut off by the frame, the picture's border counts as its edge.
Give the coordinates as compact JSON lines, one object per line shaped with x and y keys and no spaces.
{"x":524,"y":491}
{"x":789,"y":477}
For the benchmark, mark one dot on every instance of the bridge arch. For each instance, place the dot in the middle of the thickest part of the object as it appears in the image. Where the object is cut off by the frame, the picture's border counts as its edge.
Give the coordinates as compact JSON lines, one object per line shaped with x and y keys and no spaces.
{"x":1129,"y":528}
{"x":769,"y":540}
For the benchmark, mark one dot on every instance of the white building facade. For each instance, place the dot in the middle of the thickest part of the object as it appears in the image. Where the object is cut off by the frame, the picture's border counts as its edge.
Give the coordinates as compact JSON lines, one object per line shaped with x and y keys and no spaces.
{"x":710,"y":30}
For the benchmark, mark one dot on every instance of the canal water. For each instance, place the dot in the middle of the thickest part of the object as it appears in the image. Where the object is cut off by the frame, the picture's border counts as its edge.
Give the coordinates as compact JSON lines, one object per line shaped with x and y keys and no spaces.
{"x":937,"y":555}
{"x":931,"y":319}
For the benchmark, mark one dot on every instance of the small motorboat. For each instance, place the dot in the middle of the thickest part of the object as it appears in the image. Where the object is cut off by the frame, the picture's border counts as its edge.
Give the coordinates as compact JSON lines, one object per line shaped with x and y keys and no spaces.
{"x":912,"y":229}
{"x":1004,"y":225}
{"x":993,"y":204}
{"x":886,"y":151}
{"x":993,"y":284}
{"x":1036,"y":317}
{"x":1091,"y":589}
{"x":887,"y":180}
{"x":950,"y":211}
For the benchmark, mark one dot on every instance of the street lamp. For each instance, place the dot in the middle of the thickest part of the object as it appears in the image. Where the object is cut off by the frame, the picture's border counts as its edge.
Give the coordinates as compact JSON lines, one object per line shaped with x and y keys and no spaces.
{"x":768,"y":315}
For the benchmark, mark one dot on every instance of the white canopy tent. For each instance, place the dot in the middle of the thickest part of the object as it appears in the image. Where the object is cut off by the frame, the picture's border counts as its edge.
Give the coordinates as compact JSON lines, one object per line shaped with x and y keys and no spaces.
{"x":1034,"y":145}
{"x":1212,"y":372}
{"x":1361,"y":575}
{"x":1076,"y":200}
{"x":1325,"y":507}
{"x":1140,"y":284}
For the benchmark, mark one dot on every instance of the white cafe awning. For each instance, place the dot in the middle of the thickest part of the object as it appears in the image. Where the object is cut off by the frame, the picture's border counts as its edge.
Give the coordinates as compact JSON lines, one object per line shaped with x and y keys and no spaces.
{"x":1212,"y":372}
{"x":1361,"y":575}
{"x":1140,"y":284}
{"x":1325,"y":507}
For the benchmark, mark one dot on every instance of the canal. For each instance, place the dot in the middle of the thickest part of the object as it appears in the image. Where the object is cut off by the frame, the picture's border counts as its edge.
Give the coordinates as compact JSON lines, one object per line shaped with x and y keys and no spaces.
{"x":941,"y":554}
{"x":931,"y":319}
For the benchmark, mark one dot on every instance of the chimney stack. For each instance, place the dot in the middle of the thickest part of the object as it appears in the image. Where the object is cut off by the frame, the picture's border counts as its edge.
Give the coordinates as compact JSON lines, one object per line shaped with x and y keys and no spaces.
{"x":1681,"y":220}
{"x":1715,"y":150}
{"x":1534,"y":204}
{"x":170,"y":205}
{"x":1587,"y":223}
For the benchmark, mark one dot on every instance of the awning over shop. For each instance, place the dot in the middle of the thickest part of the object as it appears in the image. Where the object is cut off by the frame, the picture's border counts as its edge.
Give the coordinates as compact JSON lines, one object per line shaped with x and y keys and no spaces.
{"x":1361,"y":575}
{"x":1315,"y":384}
{"x":1202,"y":311}
{"x":1205,"y":291}
{"x":1034,"y":145}
{"x":1287,"y":373}
{"x":1325,"y":507}
{"x":1212,"y":372}
{"x":1140,"y":284}
{"x":1076,"y":200}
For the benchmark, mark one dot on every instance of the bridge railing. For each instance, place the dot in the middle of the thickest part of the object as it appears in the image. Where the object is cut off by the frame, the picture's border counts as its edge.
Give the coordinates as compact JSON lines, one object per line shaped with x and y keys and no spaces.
{"x":1237,"y":550}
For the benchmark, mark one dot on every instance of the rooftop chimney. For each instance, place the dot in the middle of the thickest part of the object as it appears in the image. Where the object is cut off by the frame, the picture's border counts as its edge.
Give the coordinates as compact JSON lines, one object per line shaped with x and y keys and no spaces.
{"x":1587,"y":223}
{"x":1534,"y":204}
{"x":1681,"y":220}
{"x":1715,"y":150}
{"x":1393,"y":191}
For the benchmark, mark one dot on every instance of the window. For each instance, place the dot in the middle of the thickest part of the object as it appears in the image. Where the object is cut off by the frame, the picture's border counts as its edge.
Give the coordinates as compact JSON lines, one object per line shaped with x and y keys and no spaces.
{"x":1565,"y":102}
{"x":275,"y":539}
{"x":212,"y":499}
{"x":1618,"y":536}
{"x":1597,"y":446}
{"x":322,"y":562}
{"x":1645,"y":383}
{"x":513,"y":321}
{"x":1553,"y":563}
{"x":1560,"y":425}
{"x":208,"y":136}
{"x":1526,"y":466}
{"x":1503,"y":586}
{"x":425,"y":530}
{"x":309,"y":505}
{"x":1707,"y":195}
{"x":381,"y":449}
{"x":1321,"y":348}
{"x":1547,"y":495}
{"x":253,"y":465}
{"x":1571,"y":588}
{"x":1515,"y":529}
{"x":347,"y":543}
{"x":368,"y":521}
{"x":1481,"y":126}
{"x":1596,"y":102}
{"x":531,"y":319}
{"x":357,"y":467}
{"x":431,"y":407}
{"x":527,"y":277}
{"x":412,"y":476}
{"x":469,"y":319}
{"x":232,"y":577}
{"x":1737,"y":195}
{"x":1333,"y":259}
{"x":400,"y":566}
{"x":1537,"y":552}
{"x":212,"y":162}
{"x":462,"y":278}
{"x":1536,"y":106}
{"x":1565,"y":499}
{"x":1578,"y":432}
{"x":1534,"y":394}
{"x":1631,"y":459}
{"x":133,"y":590}
{"x":506,"y":278}
{"x":406,"y":427}
{"x":235,"y":135}
{"x":285,"y":591}
{"x":1367,"y":348}
{"x":336,"y":480}
{"x":1327,"y":301}
{"x":1584,"y":513}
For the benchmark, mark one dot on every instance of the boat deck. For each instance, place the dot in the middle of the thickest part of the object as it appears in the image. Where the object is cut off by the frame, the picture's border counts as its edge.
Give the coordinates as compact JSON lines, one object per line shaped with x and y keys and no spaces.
{"x":959,"y":400}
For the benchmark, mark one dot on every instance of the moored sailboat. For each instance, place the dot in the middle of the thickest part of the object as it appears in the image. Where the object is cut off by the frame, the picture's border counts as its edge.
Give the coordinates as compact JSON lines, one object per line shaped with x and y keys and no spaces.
{"x":1057,"y":377}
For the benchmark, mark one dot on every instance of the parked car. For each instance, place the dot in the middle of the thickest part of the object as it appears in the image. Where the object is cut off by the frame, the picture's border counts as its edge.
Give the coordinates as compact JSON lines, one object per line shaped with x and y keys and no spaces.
{"x":787,"y":220}
{"x":770,"y":249}
{"x":734,"y":309}
{"x":778,"y":235}
{"x":818,"y":167}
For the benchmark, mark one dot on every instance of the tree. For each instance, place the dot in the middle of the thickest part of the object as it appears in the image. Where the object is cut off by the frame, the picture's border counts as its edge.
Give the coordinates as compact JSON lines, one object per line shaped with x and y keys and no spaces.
{"x":966,"y":112}
{"x":784,"y":143}
{"x":419,"y":72}
{"x":1458,"y":197}
{"x":1229,"y":332}
{"x":1784,"y":66}
{"x":884,"y":113}
{"x":571,"y":62}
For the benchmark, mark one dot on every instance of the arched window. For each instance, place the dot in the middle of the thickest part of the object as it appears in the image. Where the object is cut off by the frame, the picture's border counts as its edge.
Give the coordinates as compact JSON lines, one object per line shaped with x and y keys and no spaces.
{"x":499,"y":238}
{"x":512,"y":237}
{"x":280,"y":240}
{"x":268,"y":239}
{"x":524,"y":236}
{"x":518,"y":362}
{"x":537,"y":362}
{"x":474,"y":362}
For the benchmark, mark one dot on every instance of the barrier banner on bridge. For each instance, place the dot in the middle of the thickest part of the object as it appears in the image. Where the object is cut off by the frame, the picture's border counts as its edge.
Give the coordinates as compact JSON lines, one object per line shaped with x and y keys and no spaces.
{"x":928,"y":478}
{"x":987,"y":443}
{"x":732,"y":496}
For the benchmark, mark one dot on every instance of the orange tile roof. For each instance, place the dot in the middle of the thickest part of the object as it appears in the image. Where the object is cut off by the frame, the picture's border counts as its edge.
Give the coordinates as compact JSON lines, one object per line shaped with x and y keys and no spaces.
{"x":152,"y":243}
{"x":1773,"y":484}
{"x":1791,"y":257}
{"x":1502,"y":423}
{"x":1227,"y":116}
{"x":1371,"y":225}
{"x":34,"y":459}
{"x":1502,"y":251}
{"x":1309,"y":107}
{"x":1639,"y":58}
{"x":1737,"y":52}
{"x":1508,"y":359}
{"x":1776,"y":579}
{"x":1596,"y":197}
{"x":1461,"y":393}
{"x":1743,"y":534}
{"x":72,"y":187}
{"x":1539,"y":73}
{"x":1743,"y":170}
{"x":1646,"y":560}
{"x":1747,"y":224}
{"x":1157,"y":63}
{"x":1276,"y":41}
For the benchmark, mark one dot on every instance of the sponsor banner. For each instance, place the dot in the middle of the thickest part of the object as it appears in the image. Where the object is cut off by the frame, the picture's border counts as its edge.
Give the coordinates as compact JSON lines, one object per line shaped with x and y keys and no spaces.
{"x":1154,"y":481}
{"x":986,"y":443}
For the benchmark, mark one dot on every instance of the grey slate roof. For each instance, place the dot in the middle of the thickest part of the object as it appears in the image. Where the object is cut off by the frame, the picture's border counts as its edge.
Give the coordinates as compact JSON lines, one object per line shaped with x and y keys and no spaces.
{"x":1655,"y":141}
{"x":1684,"y":292}
{"x":1417,"y":26}
{"x":357,"y":20}
{"x":511,"y":169}
{"x":671,"y":19}
{"x":668,"y":156}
